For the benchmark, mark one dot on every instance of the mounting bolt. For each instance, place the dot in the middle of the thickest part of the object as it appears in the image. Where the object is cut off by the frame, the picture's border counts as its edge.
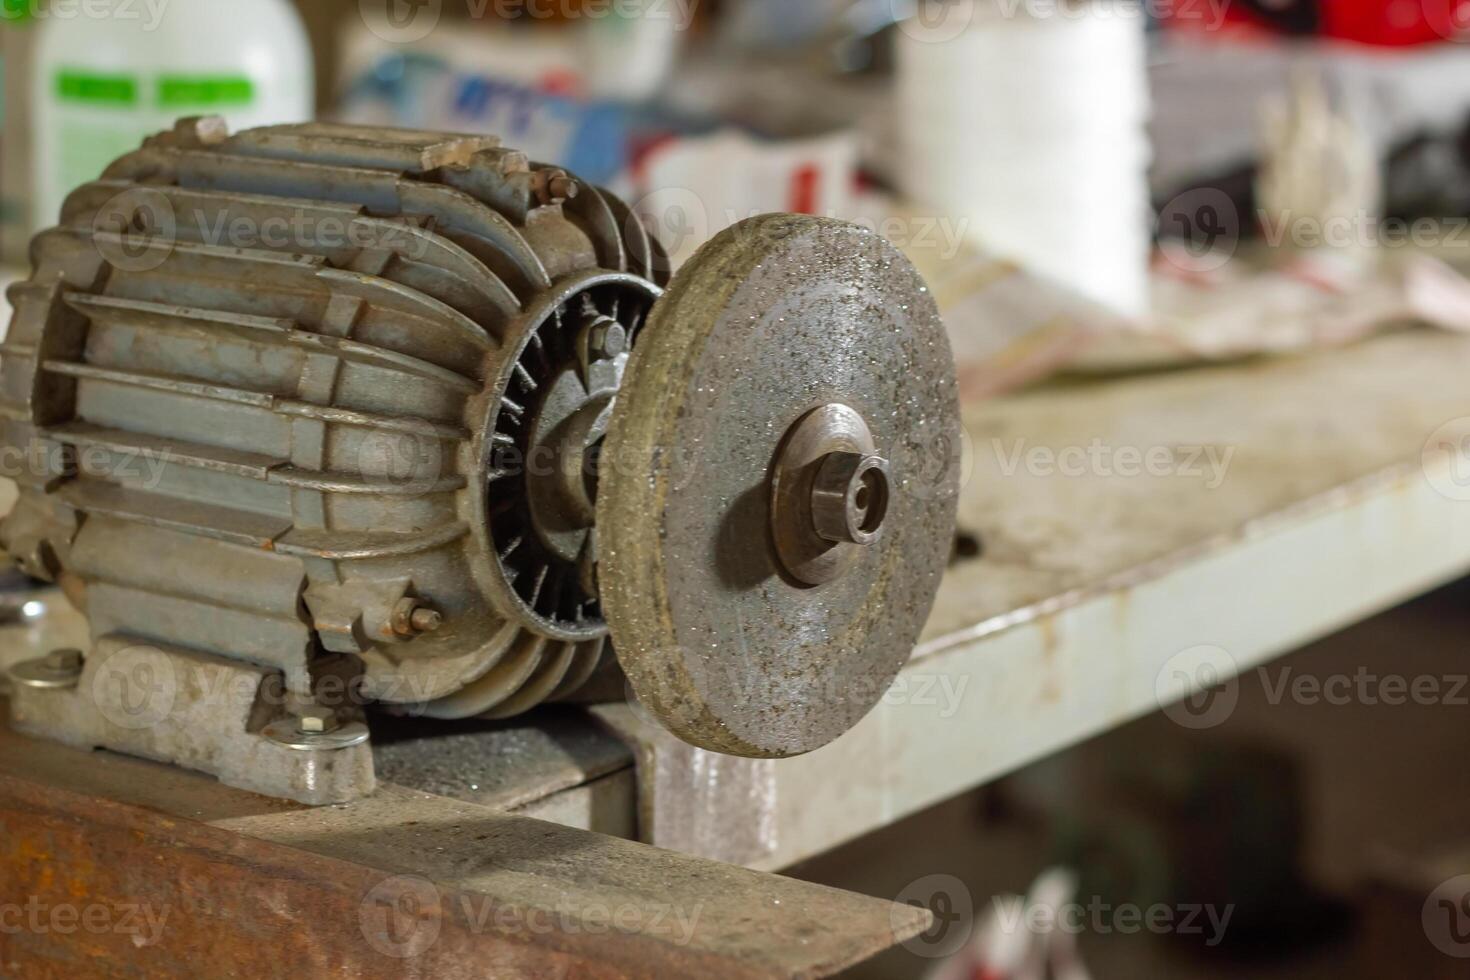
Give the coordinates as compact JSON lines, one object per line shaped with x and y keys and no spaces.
{"x":197,"y":131}
{"x":425,"y":620}
{"x":57,"y":670}
{"x":554,"y":185}
{"x":316,"y":729}
{"x":606,"y":338}
{"x":317,"y":721}
{"x":411,"y":617}
{"x":850,"y":497}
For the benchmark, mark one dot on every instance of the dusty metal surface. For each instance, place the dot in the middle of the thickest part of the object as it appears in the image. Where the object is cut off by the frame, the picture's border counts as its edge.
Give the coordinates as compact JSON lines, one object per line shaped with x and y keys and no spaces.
{"x":213,"y":714}
{"x":1325,"y":513}
{"x":505,"y":766}
{"x":1099,"y":584}
{"x":1241,"y":446}
{"x":404,"y":884}
{"x":607,"y":805}
{"x":695,"y":801}
{"x":1318,"y":507}
{"x":775,"y":317}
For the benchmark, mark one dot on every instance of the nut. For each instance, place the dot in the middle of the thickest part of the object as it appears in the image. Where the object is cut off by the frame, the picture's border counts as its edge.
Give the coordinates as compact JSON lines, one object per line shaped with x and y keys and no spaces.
{"x":411,"y":617}
{"x":316,"y":721}
{"x":850,"y":497}
{"x":606,"y":338}
{"x":553,"y":185}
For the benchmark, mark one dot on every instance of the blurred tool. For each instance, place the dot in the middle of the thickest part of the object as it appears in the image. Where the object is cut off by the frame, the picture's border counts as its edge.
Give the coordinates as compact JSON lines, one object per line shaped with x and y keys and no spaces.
{"x":118,"y":70}
{"x":1031,"y":130}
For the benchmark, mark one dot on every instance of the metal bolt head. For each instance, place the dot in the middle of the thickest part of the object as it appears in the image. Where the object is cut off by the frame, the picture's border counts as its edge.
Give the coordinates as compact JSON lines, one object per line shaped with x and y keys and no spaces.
{"x":850,"y":497}
{"x":292,"y":733}
{"x":607,"y":338}
{"x":425,"y":620}
{"x":553,"y":185}
{"x":411,"y":616}
{"x":202,"y":130}
{"x":316,"y":721}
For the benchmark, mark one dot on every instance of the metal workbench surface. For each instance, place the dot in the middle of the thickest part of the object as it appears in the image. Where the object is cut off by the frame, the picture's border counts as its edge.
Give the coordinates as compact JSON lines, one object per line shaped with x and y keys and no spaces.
{"x":1140,"y":537}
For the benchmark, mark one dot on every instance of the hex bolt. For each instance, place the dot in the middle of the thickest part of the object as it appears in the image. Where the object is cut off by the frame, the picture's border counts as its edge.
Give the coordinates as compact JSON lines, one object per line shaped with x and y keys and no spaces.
{"x":554,"y":185}
{"x":606,"y":338}
{"x":316,"y":729}
{"x":411,"y":616}
{"x":203,"y":130}
{"x":316,"y":721}
{"x":425,"y":620}
{"x":850,"y":497}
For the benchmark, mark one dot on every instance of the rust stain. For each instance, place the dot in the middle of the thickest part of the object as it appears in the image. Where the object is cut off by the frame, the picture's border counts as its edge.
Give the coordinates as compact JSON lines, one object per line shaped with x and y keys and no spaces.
{"x":320,"y":890}
{"x":1122,"y":608}
{"x":1046,"y":626}
{"x":1051,"y":681}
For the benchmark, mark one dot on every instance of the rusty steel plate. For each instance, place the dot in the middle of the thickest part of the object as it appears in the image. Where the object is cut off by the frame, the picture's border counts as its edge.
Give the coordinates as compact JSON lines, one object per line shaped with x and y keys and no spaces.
{"x":778,"y":320}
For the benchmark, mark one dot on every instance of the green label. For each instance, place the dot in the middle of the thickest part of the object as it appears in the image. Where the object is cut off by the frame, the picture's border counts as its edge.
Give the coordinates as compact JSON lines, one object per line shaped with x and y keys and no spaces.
{"x":176,"y":91}
{"x":111,"y":90}
{"x":16,"y":10}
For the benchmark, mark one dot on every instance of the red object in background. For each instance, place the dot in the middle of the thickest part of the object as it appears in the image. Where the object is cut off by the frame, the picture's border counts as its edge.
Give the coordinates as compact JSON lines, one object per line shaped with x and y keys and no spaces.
{"x":804,"y":186}
{"x":1390,"y":23}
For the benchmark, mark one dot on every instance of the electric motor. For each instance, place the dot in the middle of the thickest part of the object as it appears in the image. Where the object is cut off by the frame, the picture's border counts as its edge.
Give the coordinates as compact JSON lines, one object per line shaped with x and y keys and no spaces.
{"x":322,"y":399}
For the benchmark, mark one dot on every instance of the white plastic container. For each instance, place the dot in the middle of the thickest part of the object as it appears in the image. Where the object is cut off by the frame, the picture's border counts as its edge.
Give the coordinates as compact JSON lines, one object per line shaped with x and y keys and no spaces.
{"x":108,"y":73}
{"x":1031,"y":129}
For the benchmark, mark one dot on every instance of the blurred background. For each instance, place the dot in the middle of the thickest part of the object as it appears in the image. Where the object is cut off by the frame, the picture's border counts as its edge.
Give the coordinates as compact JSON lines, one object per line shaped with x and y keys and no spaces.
{"x":1077,"y":178}
{"x":1090,"y":187}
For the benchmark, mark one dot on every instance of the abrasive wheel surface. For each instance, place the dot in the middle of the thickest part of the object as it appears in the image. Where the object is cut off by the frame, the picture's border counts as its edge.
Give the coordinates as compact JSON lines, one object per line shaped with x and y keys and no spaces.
{"x":775,"y":317}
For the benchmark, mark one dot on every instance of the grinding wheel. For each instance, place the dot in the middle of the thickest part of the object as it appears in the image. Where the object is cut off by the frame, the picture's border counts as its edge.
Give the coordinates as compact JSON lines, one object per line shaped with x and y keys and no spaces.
{"x":778,"y":486}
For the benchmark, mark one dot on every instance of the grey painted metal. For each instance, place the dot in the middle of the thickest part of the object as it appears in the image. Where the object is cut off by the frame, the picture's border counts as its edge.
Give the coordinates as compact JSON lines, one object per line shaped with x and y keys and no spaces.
{"x":199,"y":711}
